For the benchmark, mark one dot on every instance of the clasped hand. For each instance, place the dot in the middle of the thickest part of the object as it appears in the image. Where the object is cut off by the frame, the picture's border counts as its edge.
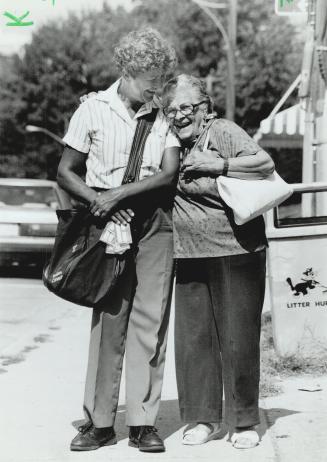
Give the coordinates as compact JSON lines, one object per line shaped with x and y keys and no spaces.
{"x":203,"y":162}
{"x":106,"y":204}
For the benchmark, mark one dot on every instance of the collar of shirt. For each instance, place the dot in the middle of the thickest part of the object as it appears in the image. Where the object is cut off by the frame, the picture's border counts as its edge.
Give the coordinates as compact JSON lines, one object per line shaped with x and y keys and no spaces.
{"x":111,"y":97}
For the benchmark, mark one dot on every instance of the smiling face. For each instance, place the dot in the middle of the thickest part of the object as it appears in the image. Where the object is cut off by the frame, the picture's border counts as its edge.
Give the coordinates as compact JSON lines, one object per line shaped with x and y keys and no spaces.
{"x":186,"y":125}
{"x":143,"y":87}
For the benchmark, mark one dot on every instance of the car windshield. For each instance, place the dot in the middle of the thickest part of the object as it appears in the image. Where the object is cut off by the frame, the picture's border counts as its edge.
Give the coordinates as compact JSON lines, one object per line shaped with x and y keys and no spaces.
{"x":33,"y":196}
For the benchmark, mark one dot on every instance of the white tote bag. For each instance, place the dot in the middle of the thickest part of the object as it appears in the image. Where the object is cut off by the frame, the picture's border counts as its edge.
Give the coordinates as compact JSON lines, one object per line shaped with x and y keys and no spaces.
{"x":250,"y":198}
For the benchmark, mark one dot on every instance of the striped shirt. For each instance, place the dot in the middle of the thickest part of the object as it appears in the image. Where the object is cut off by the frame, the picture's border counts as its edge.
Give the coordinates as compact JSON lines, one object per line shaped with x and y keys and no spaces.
{"x":103,"y":129}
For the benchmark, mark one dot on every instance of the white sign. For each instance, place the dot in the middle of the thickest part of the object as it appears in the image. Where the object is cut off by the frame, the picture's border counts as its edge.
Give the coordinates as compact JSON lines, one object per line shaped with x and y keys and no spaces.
{"x":290,"y":7}
{"x":298,"y":283}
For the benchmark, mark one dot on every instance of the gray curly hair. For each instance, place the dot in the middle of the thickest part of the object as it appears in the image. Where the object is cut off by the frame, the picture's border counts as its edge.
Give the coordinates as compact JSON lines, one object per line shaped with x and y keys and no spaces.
{"x":144,"y":50}
{"x":189,"y":81}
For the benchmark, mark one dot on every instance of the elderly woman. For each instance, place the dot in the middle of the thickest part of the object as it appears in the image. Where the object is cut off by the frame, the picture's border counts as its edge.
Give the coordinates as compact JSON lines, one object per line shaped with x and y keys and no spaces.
{"x":98,"y":142}
{"x":220,"y":279}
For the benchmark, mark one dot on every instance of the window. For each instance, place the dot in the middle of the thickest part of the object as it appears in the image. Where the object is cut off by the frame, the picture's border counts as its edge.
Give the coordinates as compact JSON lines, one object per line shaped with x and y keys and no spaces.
{"x":302,"y":209}
{"x":36,"y":196}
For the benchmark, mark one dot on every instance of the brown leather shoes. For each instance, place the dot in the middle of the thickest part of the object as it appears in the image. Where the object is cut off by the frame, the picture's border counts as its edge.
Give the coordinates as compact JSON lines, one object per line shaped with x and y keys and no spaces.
{"x":146,"y":438}
{"x":90,"y":438}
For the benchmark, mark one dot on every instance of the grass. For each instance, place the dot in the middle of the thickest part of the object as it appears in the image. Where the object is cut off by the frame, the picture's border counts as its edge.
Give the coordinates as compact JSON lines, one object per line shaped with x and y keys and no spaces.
{"x":275,"y":368}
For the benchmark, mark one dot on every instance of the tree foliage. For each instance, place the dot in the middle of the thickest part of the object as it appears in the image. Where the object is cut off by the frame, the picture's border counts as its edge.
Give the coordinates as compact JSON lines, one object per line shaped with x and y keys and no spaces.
{"x":268,"y":55}
{"x":65,"y":60}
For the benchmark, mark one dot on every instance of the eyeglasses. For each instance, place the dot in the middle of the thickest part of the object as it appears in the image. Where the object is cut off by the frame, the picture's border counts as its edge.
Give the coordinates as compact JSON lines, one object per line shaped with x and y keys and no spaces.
{"x":185,"y":109}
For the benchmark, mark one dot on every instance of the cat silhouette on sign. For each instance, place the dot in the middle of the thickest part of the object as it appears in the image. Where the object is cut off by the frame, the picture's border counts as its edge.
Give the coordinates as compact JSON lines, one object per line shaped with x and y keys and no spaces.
{"x":307,"y":282}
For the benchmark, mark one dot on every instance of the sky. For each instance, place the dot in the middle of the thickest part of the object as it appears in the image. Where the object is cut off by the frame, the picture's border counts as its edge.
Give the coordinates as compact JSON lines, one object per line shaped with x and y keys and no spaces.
{"x":12,"y":38}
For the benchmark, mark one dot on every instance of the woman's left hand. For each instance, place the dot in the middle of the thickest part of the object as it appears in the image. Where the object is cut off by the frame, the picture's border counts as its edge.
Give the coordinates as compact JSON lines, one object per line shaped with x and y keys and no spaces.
{"x":203,"y":162}
{"x":106,"y":203}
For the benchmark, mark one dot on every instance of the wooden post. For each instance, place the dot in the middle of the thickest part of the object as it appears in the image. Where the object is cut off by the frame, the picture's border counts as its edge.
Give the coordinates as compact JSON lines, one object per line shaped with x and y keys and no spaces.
{"x":232,"y":33}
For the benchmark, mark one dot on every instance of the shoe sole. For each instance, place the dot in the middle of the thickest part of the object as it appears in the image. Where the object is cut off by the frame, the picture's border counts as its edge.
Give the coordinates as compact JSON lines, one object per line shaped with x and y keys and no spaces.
{"x":111,"y":442}
{"x":152,"y":449}
{"x":147,"y":449}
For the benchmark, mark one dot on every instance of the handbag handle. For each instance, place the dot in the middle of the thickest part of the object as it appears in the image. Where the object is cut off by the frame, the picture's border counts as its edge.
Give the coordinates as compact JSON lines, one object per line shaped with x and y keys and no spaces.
{"x":142,"y":131}
{"x":206,"y":141}
{"x":206,"y":133}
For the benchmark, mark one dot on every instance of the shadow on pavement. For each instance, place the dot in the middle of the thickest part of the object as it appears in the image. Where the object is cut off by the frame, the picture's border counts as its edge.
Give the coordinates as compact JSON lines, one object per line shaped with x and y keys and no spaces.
{"x":271,"y":416}
{"x":168,"y":420}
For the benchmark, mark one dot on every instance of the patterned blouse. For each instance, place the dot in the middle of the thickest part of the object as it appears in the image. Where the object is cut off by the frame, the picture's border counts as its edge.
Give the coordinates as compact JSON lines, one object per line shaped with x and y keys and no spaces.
{"x":203,"y":224}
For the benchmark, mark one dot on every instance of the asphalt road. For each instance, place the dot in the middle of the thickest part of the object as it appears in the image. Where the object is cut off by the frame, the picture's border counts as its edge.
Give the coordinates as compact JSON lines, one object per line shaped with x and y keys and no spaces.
{"x":29,"y":315}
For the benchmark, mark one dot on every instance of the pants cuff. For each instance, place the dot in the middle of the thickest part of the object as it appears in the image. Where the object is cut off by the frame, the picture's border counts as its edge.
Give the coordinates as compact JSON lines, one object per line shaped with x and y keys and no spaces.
{"x":243,"y":418}
{"x":200,"y":414}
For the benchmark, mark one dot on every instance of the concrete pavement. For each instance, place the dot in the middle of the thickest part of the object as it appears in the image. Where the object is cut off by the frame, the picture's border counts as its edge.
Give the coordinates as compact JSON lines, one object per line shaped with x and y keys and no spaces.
{"x":40,"y":402}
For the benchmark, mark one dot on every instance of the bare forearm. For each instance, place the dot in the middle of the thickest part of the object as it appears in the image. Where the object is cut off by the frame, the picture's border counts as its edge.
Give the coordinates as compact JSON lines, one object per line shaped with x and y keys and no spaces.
{"x":76,"y":187}
{"x":161,"y":180}
{"x":255,"y":166}
{"x":109,"y":201}
{"x":70,"y":176}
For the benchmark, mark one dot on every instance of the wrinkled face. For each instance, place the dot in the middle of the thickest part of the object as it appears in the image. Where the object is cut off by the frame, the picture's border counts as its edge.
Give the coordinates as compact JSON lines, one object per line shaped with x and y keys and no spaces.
{"x":143,"y":87}
{"x":185,"y":111}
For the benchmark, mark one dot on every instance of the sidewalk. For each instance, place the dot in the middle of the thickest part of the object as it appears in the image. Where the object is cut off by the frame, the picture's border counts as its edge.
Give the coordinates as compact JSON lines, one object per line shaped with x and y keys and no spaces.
{"x":40,"y":398}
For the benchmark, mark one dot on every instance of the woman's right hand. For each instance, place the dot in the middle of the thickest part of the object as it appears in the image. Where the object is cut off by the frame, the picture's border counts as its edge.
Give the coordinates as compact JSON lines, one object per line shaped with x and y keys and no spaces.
{"x":202,"y":162}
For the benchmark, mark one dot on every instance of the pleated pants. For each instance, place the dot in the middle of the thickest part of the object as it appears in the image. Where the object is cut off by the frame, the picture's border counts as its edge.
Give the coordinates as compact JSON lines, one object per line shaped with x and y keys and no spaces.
{"x":135,"y":322}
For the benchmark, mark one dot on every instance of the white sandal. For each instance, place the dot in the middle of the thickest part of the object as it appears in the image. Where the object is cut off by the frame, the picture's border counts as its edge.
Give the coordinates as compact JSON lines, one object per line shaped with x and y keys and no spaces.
{"x":202,"y":433}
{"x":245,"y":440}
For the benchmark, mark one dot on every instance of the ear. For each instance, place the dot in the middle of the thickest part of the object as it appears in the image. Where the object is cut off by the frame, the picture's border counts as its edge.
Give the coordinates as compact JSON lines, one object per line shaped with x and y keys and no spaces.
{"x":126,"y":77}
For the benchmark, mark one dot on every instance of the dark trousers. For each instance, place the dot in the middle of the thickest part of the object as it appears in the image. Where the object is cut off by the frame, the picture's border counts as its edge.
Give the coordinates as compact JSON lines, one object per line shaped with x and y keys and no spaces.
{"x":217,"y":334}
{"x":135,"y":319}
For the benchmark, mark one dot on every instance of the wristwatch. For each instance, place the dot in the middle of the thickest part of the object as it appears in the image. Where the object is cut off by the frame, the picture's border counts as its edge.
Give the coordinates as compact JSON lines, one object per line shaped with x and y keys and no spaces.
{"x":226,"y":167}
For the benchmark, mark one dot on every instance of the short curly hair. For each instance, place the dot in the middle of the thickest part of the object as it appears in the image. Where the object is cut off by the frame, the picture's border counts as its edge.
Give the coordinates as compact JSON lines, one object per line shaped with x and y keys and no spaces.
{"x":144,"y":50}
{"x":188,"y":81}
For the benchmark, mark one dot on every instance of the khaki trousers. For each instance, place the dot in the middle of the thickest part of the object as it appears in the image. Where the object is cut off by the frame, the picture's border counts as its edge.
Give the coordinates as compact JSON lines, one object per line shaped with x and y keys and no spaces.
{"x":135,"y":321}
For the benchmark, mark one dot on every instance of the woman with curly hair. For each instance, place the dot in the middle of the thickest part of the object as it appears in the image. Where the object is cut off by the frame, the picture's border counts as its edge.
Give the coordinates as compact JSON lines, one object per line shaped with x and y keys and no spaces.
{"x":135,"y":319}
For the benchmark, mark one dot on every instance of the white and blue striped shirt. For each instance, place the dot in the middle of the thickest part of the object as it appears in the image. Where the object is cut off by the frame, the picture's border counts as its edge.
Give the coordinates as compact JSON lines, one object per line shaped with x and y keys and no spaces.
{"x":103,"y":129}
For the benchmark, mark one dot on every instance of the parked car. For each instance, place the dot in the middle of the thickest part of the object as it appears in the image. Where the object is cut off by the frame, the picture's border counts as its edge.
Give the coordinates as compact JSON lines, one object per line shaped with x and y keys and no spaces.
{"x":28,"y":220}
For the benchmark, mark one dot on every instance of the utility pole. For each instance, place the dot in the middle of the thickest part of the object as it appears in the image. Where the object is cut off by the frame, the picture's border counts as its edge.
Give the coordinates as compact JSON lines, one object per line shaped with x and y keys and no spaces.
{"x":229,"y":37}
{"x":232,"y":34}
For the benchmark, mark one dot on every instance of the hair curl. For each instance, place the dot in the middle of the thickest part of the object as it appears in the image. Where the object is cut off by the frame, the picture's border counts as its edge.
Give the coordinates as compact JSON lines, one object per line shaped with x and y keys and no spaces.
{"x":144,"y":50}
{"x":188,"y":81}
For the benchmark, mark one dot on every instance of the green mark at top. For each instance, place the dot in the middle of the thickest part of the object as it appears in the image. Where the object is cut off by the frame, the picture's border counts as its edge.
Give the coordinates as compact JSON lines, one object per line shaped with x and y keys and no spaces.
{"x":282,"y":3}
{"x":52,"y":1}
{"x":18,"y":21}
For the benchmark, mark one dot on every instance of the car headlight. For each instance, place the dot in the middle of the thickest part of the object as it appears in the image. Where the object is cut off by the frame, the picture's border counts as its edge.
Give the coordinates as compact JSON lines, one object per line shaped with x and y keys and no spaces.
{"x":9,"y":230}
